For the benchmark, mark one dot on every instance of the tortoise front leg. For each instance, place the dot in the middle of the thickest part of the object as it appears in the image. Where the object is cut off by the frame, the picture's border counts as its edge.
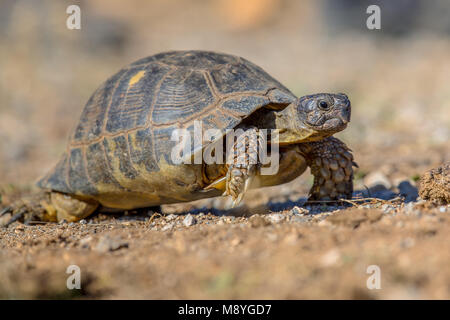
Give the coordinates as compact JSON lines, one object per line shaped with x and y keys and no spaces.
{"x":331,"y":163}
{"x":242,"y":165}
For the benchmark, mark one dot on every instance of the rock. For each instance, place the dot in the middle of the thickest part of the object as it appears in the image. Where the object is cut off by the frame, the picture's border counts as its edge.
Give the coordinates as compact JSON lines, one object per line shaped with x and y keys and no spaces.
{"x":408,"y":191}
{"x":189,"y":220}
{"x":82,"y":221}
{"x":171,"y":217}
{"x":257,"y":221}
{"x":275,"y":217}
{"x":108,"y":243}
{"x":168,"y":226}
{"x":386,"y":208}
{"x":299,"y":211}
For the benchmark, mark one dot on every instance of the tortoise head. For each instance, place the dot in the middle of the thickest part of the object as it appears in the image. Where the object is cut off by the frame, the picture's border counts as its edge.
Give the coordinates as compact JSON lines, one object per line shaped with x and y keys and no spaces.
{"x":314,"y":117}
{"x":324,"y":112}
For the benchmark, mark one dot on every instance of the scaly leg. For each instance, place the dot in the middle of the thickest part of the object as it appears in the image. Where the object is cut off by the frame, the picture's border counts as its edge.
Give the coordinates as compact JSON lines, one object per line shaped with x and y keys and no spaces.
{"x":242,"y":165}
{"x":51,"y":207}
{"x":331,"y":164}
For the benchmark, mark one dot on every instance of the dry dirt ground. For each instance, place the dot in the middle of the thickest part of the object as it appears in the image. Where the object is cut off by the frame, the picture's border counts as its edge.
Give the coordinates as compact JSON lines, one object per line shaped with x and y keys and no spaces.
{"x":274,"y":247}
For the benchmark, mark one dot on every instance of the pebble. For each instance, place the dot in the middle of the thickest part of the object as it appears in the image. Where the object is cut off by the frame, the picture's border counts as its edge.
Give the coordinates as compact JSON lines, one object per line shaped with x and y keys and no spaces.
{"x":386,"y":208}
{"x":108,"y":243}
{"x":189,"y":220}
{"x":167,"y":227}
{"x":83,"y":221}
{"x":257,"y":221}
{"x":275,"y":217}
{"x":442,"y":209}
{"x":171,"y":217}
{"x":299,"y":211}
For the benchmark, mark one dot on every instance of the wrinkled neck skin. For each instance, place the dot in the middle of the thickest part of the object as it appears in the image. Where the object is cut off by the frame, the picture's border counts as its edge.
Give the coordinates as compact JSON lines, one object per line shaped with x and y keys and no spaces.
{"x":292,"y":129}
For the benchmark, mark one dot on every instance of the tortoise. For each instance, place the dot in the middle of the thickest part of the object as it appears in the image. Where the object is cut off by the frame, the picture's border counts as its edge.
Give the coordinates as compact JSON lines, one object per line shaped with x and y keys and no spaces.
{"x":119,"y":155}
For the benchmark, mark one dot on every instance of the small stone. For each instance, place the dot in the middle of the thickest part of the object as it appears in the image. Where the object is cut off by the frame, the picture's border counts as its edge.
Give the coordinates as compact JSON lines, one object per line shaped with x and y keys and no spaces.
{"x":386,"y":208}
{"x":299,"y":211}
{"x":63,"y":221}
{"x":83,"y":221}
{"x":257,"y":221}
{"x":442,"y":209}
{"x":189,"y":220}
{"x":167,"y":227}
{"x":275,"y":217}
{"x":108,"y":243}
{"x":171,"y":217}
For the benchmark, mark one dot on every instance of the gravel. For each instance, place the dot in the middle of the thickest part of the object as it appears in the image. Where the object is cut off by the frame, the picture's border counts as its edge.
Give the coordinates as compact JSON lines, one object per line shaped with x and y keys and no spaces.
{"x":189,"y":220}
{"x":275,"y":217}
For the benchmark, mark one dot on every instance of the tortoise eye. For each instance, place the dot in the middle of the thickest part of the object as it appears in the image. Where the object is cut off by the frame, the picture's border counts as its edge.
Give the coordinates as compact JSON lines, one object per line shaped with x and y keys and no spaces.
{"x":323,"y":105}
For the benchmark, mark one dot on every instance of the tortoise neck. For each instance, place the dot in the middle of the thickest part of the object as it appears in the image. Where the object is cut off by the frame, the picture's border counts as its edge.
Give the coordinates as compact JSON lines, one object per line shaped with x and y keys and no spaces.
{"x":291,"y":128}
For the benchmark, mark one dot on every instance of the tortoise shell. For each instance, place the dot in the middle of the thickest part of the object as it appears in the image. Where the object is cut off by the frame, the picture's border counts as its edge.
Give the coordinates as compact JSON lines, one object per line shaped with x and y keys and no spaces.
{"x":124,"y":133}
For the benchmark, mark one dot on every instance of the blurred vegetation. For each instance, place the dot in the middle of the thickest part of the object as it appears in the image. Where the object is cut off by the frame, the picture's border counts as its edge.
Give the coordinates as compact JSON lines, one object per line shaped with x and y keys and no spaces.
{"x":397,"y":77}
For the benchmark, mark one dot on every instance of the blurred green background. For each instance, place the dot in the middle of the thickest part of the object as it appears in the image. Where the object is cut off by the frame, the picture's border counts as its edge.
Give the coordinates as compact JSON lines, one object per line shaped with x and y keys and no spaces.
{"x":397,"y":78}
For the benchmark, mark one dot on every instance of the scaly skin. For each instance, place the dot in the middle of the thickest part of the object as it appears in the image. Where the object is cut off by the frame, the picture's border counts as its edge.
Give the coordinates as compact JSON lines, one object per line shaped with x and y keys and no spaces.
{"x":331,"y":164}
{"x":243,"y":164}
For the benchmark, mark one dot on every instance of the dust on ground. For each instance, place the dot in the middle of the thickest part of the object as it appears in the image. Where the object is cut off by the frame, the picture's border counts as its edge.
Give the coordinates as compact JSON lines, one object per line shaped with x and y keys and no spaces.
{"x":274,"y":247}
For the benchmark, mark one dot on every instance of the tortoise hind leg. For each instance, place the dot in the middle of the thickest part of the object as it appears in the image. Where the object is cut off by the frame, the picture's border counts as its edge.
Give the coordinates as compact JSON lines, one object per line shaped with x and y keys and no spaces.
{"x":69,"y":207}
{"x":48,"y":207}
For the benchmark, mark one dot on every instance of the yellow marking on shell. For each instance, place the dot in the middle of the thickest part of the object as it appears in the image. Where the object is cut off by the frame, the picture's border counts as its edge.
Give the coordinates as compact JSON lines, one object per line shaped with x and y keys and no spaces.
{"x":135,"y":79}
